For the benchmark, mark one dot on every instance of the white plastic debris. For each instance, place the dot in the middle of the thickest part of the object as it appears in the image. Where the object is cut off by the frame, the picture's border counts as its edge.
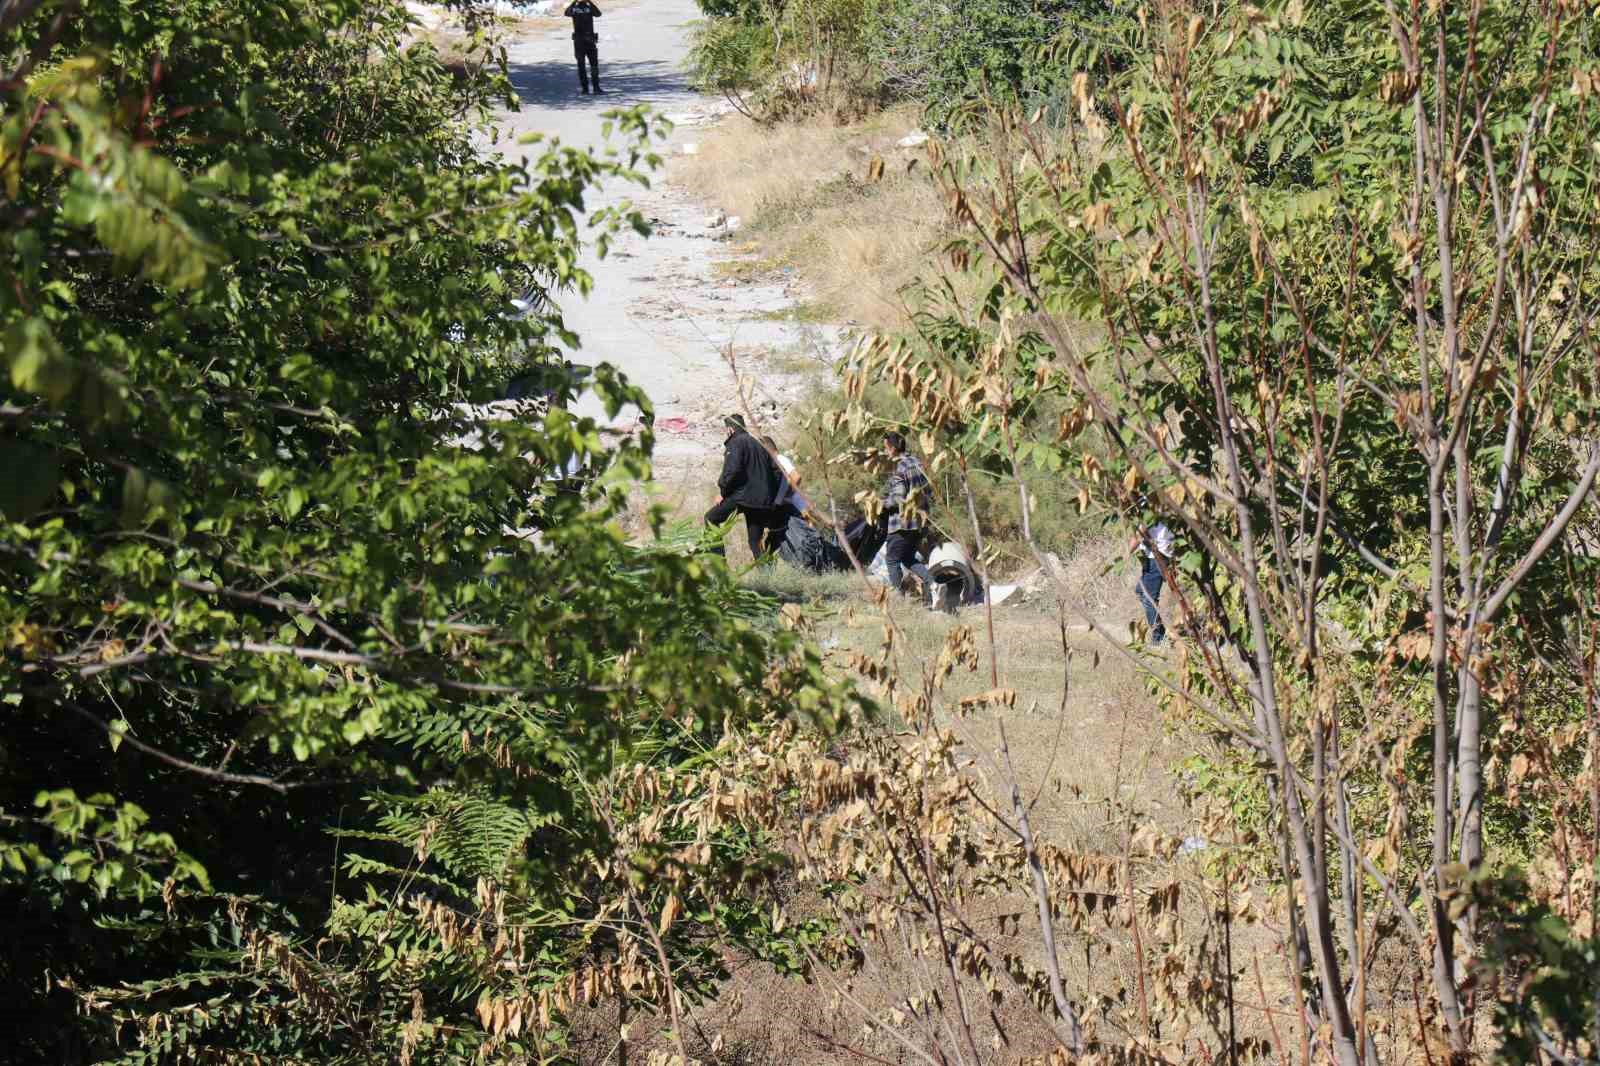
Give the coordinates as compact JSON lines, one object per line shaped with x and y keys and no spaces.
{"x":879,"y":567}
{"x":690,"y":148}
{"x":999,"y":594}
{"x":914,"y":139}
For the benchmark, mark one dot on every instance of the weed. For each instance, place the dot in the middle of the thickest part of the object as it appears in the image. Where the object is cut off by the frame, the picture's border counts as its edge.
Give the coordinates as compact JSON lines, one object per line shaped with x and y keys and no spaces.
{"x":812,"y":311}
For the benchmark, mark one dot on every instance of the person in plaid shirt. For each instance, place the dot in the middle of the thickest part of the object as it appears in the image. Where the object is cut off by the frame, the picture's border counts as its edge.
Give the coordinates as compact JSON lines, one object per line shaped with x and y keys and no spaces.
{"x":905,"y":501}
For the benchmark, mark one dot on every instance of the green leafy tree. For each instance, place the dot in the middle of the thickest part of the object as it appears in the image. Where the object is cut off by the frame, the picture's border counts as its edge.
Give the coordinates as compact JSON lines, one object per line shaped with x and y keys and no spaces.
{"x":771,"y":57}
{"x":333,"y":731}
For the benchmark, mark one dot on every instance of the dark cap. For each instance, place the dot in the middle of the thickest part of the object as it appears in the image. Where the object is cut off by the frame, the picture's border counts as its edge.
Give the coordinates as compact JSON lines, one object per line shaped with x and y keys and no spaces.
{"x":735,"y":421}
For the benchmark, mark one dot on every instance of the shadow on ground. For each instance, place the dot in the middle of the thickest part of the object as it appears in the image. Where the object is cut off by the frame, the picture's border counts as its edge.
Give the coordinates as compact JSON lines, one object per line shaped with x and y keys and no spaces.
{"x":555,"y":85}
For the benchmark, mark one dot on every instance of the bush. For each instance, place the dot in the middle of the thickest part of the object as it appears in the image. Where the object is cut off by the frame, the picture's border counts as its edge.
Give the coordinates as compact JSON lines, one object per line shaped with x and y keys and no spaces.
{"x":1384,"y":598}
{"x":773,"y":59}
{"x":946,"y":53}
{"x":312,"y":751}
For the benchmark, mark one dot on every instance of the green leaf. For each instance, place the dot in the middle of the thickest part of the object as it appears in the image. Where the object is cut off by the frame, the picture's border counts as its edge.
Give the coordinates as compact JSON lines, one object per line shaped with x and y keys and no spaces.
{"x":36,"y":362}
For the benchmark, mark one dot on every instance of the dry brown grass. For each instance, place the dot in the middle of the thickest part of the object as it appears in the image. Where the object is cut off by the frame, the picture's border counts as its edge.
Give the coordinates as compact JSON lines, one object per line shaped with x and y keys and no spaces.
{"x":1089,"y":749}
{"x":804,"y":192}
{"x":1095,"y":759}
{"x":1085,"y":733}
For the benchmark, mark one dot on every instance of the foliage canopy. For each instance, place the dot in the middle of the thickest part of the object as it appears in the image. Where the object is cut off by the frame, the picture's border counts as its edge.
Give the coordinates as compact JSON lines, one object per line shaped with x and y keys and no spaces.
{"x":329,"y":736}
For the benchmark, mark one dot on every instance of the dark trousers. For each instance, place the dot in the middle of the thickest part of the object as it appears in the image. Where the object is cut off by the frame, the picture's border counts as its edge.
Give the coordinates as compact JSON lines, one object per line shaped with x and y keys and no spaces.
{"x":900,"y":550}
{"x":1149,"y":590}
{"x":765,"y":526}
{"x":587,"y":52}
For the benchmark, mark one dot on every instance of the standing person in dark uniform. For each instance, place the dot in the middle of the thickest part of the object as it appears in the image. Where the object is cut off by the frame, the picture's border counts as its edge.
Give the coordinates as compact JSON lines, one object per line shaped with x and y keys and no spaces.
{"x":585,"y":42}
{"x":905,"y":500}
{"x":749,"y":484}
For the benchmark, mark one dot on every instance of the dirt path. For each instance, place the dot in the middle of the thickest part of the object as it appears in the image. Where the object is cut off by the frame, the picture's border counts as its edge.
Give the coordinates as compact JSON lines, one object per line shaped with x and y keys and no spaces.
{"x":660,"y":309}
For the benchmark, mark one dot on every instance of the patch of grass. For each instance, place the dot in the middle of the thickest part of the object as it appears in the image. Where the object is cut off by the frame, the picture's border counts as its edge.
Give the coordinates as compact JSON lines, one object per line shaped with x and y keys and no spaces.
{"x":1084,"y":736}
{"x":808,"y":198}
{"x":821,"y":592}
{"x":746,"y":268}
{"x":800,"y":362}
{"x":817,"y":312}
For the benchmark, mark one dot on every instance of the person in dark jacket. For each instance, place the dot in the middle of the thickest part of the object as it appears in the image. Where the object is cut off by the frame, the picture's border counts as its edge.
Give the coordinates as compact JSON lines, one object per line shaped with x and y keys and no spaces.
{"x":749,"y":484}
{"x":585,"y":42}
{"x":906,"y":499}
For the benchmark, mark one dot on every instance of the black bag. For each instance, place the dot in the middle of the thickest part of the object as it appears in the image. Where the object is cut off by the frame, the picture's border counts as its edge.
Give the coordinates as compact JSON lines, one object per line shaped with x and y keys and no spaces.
{"x":805,"y":548}
{"x":865,"y":539}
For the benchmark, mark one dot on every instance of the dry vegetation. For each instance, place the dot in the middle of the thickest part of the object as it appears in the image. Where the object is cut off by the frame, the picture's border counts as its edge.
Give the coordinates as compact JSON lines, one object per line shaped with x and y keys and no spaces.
{"x":810,"y":199}
{"x":1100,"y":767}
{"x":858,"y":220}
{"x":1091,"y":755}
{"x":1087,"y":740}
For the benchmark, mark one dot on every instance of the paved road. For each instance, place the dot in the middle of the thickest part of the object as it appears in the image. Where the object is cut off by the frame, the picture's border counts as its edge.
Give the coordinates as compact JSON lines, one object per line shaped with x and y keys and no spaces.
{"x":660,"y":310}
{"x":642,"y":47}
{"x":628,"y":319}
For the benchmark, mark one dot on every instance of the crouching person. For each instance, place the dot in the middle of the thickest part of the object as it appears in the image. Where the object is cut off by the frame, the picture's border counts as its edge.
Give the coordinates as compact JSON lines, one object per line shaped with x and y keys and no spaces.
{"x":906,"y":500}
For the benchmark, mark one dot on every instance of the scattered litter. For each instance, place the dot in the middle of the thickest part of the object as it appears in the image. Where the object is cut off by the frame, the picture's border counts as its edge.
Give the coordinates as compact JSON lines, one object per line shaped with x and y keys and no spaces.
{"x":693,"y":118}
{"x":690,"y":148}
{"x":999,"y":594}
{"x":1191,"y":845}
{"x":673,"y":425}
{"x":914,"y":139}
{"x":717,"y":218}
{"x":733,"y":223}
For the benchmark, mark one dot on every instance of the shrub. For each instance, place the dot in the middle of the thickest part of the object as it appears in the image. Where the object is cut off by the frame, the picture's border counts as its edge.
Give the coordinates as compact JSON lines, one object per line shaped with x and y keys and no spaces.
{"x":313,"y":751}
